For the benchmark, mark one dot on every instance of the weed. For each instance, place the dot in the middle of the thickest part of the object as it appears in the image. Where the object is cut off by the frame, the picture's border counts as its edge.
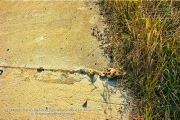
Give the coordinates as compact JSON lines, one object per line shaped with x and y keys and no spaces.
{"x":145,"y":42}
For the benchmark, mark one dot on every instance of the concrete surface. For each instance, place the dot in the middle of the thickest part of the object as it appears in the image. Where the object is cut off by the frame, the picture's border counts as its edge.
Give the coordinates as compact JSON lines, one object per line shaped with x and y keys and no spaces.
{"x":54,"y":35}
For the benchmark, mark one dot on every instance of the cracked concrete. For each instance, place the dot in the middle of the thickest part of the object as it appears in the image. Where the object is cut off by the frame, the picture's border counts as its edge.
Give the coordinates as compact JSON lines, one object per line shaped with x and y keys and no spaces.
{"x":54,"y":35}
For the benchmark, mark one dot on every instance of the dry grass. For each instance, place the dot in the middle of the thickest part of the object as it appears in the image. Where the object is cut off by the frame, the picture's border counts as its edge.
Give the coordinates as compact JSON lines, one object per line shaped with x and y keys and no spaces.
{"x":145,"y":41}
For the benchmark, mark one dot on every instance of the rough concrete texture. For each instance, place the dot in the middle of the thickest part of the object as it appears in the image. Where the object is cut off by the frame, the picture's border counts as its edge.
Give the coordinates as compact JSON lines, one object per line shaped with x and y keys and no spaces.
{"x":54,"y":35}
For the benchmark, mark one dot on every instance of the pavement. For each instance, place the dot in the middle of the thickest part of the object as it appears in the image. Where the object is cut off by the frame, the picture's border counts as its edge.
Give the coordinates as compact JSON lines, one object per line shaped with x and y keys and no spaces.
{"x":54,"y":35}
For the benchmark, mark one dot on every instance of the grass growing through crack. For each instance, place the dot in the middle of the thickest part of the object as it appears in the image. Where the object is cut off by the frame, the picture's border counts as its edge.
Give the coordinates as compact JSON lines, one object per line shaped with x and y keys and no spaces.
{"x":145,"y":40}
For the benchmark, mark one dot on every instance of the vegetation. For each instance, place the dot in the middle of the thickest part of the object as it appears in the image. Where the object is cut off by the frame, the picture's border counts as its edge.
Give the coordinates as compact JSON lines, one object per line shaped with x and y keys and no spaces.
{"x":145,"y":41}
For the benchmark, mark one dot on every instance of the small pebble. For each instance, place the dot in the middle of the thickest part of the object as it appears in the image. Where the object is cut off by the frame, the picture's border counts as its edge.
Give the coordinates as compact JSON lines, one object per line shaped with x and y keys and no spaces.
{"x":40,"y":69}
{"x":7,"y":49}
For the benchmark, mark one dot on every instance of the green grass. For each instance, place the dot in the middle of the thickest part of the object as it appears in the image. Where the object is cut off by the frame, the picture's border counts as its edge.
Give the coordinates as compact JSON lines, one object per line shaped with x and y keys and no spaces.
{"x":147,"y":46}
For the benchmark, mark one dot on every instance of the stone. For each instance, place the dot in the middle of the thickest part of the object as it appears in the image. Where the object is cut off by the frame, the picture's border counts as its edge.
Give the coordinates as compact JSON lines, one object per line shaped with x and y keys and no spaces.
{"x":112,"y":73}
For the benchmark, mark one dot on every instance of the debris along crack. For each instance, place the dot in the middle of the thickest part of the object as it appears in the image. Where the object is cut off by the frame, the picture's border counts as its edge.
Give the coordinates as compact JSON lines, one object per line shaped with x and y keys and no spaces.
{"x":109,"y":73}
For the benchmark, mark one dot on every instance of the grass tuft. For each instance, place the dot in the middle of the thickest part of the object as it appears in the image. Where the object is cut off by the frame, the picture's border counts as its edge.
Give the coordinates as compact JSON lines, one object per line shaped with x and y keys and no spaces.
{"x":145,"y":41}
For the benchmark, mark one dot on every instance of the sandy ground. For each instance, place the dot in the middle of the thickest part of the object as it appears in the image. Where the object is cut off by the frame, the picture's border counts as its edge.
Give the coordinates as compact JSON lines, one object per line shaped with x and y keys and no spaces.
{"x":54,"y":35}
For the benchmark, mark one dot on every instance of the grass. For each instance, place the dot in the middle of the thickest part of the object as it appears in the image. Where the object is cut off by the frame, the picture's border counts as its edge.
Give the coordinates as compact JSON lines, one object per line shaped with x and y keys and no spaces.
{"x":145,"y":41}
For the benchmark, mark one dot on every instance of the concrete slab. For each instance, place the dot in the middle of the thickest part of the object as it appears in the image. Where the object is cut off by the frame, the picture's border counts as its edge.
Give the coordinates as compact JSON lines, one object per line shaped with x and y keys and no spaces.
{"x":54,"y":35}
